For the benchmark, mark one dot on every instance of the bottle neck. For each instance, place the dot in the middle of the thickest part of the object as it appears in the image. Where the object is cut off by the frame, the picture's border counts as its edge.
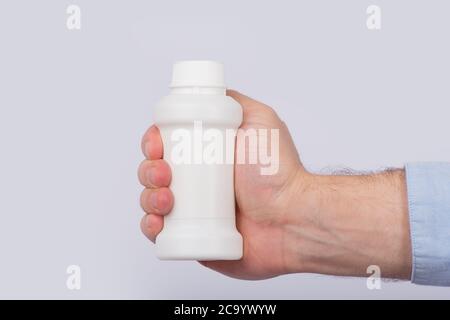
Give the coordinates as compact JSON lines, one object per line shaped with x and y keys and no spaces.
{"x":198,"y":90}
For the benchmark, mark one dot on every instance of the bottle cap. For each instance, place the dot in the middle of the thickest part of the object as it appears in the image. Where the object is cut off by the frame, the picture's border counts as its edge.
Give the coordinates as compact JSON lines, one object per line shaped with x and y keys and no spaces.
{"x":198,"y":74}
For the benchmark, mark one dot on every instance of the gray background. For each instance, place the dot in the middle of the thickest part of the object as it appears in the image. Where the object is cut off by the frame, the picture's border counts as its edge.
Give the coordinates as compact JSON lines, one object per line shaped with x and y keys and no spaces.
{"x":74,"y":105}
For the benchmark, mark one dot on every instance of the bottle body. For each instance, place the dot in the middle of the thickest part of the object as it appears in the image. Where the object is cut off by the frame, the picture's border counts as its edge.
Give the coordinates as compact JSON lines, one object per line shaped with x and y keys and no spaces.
{"x":198,"y":133}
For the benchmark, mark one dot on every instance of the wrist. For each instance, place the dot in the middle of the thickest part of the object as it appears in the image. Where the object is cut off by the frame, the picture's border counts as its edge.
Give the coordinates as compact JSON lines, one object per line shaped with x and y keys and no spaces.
{"x":340,"y":225}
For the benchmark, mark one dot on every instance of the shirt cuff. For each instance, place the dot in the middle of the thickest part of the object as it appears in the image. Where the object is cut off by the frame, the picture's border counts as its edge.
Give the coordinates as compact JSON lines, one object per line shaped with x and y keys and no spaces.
{"x":428,"y":187}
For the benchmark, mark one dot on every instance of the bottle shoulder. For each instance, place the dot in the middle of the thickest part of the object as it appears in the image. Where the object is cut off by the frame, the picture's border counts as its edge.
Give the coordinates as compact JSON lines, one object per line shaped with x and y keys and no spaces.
{"x":187,"y":100}
{"x":214,"y":109}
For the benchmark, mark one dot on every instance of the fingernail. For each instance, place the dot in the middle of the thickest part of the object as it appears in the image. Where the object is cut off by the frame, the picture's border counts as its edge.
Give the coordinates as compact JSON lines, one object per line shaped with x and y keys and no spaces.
{"x":146,"y":149}
{"x":147,"y":221}
{"x":154,"y":200}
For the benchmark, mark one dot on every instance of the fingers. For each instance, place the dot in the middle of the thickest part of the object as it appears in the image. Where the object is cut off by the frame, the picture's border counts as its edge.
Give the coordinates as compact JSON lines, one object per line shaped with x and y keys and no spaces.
{"x":154,"y":173}
{"x":151,"y":226}
{"x":152,"y":145}
{"x":157,"y":201}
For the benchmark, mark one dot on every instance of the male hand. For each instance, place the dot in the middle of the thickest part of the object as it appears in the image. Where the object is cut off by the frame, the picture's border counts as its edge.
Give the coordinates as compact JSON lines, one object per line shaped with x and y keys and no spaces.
{"x":294,"y":221}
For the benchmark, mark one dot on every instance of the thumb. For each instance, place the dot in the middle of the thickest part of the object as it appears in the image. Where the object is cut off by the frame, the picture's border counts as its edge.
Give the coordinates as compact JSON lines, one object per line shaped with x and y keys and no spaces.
{"x":253,"y":110}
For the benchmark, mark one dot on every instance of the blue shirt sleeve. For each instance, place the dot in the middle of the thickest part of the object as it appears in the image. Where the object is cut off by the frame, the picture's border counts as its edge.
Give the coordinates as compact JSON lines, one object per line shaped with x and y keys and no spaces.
{"x":428,"y":187}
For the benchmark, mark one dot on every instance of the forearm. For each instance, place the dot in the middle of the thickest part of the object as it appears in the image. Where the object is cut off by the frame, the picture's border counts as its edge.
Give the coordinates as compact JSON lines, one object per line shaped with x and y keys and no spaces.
{"x":343,"y":224}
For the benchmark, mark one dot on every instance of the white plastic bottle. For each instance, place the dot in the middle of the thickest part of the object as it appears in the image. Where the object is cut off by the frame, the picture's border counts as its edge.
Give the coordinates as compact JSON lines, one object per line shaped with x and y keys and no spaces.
{"x":202,"y":224}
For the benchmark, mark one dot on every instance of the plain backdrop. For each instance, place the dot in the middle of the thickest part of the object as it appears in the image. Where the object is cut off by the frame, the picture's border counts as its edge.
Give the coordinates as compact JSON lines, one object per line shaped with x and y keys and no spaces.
{"x":74,"y":105}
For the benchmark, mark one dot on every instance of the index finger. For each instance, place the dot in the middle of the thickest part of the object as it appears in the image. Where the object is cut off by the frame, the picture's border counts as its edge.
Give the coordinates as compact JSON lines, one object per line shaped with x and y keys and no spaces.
{"x":152,"y":145}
